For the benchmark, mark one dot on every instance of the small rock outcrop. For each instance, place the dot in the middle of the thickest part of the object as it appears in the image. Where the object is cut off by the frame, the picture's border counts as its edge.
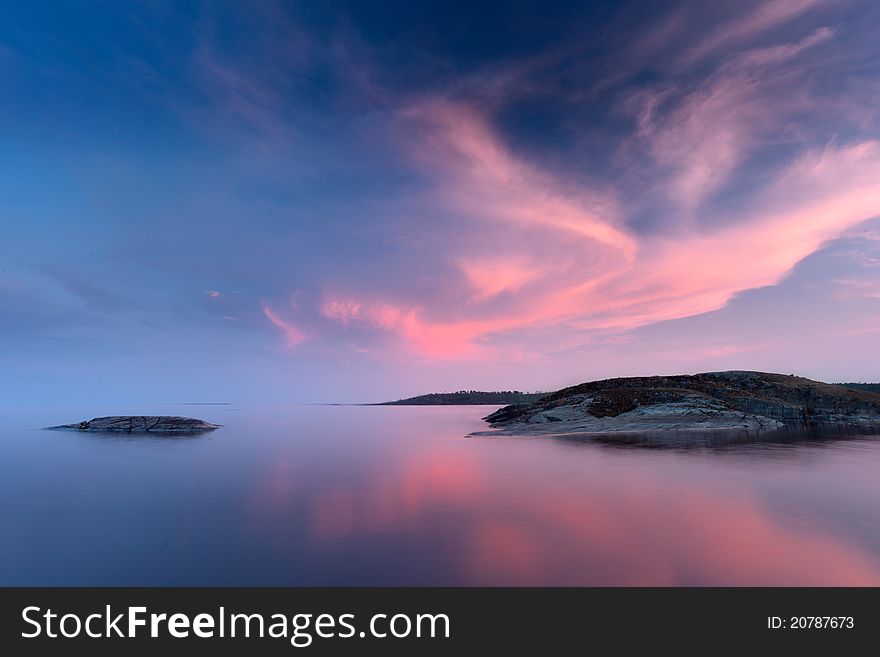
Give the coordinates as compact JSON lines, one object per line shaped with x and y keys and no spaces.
{"x":140,"y":424}
{"x":711,"y":401}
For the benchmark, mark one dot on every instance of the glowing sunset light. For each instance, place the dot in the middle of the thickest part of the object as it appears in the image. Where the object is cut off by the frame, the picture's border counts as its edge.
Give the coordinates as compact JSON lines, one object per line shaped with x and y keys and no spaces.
{"x":344,"y":214}
{"x":440,"y":294}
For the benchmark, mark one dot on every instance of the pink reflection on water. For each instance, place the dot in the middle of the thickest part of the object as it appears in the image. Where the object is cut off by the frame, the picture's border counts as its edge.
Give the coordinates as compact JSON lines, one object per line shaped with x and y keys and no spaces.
{"x":397,"y":500}
{"x":533,"y":512}
{"x":335,"y":515}
{"x":686,"y":538}
{"x":274,"y":500}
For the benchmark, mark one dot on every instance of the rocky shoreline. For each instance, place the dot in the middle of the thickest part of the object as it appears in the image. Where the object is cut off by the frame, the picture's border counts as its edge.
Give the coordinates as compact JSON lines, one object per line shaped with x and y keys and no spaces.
{"x":736,"y":401}
{"x":140,"y":424}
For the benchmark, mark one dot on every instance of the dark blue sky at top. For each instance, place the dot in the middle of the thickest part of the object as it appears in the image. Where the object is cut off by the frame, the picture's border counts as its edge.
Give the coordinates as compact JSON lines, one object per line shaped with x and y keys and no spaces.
{"x":171,"y":170}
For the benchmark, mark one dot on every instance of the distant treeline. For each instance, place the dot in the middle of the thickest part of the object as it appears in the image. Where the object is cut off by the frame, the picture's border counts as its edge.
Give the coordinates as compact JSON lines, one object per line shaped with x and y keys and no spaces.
{"x":465,"y":397}
{"x":872,"y":387}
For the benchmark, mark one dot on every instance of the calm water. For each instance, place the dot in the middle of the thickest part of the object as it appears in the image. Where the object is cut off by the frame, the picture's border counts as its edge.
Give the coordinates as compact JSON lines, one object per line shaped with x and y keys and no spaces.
{"x":288,"y":495}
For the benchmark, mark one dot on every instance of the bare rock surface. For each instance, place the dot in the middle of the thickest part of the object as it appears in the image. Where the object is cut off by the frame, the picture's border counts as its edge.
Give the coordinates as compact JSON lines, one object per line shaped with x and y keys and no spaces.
{"x":140,"y":424}
{"x":709,"y":402}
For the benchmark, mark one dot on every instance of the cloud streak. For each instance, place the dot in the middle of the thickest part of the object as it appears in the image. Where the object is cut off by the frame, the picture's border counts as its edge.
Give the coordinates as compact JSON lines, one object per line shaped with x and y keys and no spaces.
{"x":764,"y":17}
{"x":628,"y":280}
{"x":291,"y":333}
{"x":482,"y":206}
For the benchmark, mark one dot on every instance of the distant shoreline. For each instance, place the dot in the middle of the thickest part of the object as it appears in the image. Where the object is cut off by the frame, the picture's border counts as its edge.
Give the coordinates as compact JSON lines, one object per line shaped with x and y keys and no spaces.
{"x":468,"y":398}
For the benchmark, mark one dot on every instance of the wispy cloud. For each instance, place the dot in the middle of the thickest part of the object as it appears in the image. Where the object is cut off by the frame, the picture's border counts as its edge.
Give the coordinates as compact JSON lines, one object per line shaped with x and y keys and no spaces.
{"x":291,"y":333}
{"x":631,"y":281}
{"x":461,"y":202}
{"x":764,"y":17}
{"x":702,"y":135}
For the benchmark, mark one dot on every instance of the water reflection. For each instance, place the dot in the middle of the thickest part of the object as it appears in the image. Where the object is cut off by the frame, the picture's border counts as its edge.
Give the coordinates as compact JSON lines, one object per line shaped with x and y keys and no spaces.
{"x":817,"y":435}
{"x":366,"y":495}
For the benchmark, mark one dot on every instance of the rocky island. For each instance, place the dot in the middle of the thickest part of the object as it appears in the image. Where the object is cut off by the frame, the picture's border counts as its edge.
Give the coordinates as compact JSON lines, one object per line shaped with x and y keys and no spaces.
{"x":710,"y":402}
{"x":140,"y":424}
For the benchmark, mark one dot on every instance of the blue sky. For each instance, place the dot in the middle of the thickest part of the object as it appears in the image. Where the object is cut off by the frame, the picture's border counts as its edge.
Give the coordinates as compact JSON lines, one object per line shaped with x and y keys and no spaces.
{"x":352,"y":201}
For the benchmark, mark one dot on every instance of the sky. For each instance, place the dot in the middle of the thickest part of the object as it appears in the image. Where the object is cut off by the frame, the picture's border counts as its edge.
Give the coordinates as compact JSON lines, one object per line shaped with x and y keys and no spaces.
{"x":350,"y":202}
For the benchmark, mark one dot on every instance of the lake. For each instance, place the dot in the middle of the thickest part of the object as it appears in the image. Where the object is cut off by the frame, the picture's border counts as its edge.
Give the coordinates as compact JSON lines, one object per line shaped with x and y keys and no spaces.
{"x":349,"y":495}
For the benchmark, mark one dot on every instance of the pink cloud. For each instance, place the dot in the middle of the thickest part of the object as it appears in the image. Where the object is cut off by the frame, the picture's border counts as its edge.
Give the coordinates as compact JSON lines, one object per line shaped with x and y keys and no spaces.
{"x":435,"y":340}
{"x":379,"y":315}
{"x":476,"y":172}
{"x":292,"y":334}
{"x":491,"y":277}
{"x":816,"y":199}
{"x":707,"y":133}
{"x":560,"y":255}
{"x":765,"y":16}
{"x":781,"y":53}
{"x":862,"y":330}
{"x":859,"y":288}
{"x":621,"y":280}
